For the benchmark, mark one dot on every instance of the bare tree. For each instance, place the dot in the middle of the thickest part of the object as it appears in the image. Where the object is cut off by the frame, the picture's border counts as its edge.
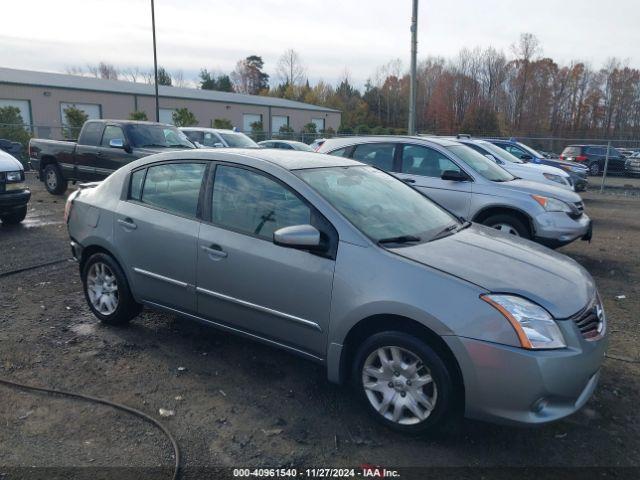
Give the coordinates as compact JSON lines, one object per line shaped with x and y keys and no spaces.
{"x":290,"y":69}
{"x":107,"y":71}
{"x":133,"y":74}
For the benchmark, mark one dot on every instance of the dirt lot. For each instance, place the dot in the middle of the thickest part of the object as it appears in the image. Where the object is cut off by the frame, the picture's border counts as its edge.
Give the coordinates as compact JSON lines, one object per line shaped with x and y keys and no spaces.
{"x":238,"y":403}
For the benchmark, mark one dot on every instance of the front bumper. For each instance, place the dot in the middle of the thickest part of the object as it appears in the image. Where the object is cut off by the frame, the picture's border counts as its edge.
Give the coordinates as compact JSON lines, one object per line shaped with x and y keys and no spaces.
{"x":10,"y":202}
{"x":580,"y":182}
{"x":555,"y":229}
{"x":515,"y":386}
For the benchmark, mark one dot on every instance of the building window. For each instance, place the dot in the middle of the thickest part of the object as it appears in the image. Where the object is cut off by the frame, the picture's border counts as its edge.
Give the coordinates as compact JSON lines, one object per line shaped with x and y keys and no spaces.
{"x":166,"y":115}
{"x":248,"y":119}
{"x":23,"y":106}
{"x":93,"y":111}
{"x":319,"y":123}
{"x":277,"y":122}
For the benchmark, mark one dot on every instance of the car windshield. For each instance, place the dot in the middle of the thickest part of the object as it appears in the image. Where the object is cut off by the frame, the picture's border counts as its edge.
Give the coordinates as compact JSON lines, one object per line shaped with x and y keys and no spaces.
{"x":303,"y":147}
{"x":379,"y":205}
{"x":157,"y":136}
{"x":498,"y":152}
{"x":481,"y":164}
{"x":530,"y":151}
{"x":238,"y":140}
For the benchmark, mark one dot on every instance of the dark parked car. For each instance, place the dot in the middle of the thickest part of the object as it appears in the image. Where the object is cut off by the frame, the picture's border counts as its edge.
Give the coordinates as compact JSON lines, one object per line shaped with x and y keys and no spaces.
{"x":577,"y":172}
{"x":103,"y":147}
{"x":594,"y":157}
{"x":14,"y":194}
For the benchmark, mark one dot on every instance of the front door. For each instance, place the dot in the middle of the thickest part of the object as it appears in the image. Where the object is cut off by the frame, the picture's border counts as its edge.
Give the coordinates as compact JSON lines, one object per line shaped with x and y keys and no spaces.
{"x":109,"y":158}
{"x":422,"y":167}
{"x":156,"y":230}
{"x":246,"y":281}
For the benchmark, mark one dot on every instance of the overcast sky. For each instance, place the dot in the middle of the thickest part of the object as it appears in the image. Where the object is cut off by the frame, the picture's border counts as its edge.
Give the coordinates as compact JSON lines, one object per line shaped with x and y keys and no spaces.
{"x":332,"y":36}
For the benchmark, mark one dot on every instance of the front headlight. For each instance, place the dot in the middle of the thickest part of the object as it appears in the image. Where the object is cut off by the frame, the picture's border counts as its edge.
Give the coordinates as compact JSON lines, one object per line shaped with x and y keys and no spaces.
{"x":555,"y":178}
{"x":551,"y":204}
{"x":14,"y":176}
{"x":535,"y":327}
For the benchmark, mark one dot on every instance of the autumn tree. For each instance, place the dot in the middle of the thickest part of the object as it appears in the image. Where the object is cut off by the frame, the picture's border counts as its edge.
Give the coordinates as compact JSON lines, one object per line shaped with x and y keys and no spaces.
{"x":248,"y":76}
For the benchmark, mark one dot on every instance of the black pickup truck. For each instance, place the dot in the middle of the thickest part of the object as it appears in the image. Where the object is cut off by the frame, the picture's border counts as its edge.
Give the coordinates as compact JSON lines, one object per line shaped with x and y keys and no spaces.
{"x":103,"y":146}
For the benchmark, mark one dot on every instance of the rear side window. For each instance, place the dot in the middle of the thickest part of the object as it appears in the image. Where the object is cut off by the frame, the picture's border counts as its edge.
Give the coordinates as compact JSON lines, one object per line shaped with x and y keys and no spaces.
{"x":137,"y":177}
{"x":254,"y":204}
{"x":376,"y":154}
{"x":174,"y":187}
{"x":91,"y":133}
{"x":341,"y":152}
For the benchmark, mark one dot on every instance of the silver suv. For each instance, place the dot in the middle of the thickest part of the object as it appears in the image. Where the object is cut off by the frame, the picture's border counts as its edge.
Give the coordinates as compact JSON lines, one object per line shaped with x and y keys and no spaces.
{"x":345,"y":265}
{"x":473,"y":187}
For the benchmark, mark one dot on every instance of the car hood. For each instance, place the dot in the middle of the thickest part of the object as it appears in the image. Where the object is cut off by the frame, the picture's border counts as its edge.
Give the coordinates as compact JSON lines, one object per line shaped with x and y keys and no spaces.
{"x":544,"y":189}
{"x":9,"y":163}
{"x":566,"y":162}
{"x":501,"y":263}
{"x":544,"y":169}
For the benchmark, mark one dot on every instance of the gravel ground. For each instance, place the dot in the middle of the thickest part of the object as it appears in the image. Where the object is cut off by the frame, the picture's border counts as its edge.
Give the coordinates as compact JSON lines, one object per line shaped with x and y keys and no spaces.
{"x":239,"y":403}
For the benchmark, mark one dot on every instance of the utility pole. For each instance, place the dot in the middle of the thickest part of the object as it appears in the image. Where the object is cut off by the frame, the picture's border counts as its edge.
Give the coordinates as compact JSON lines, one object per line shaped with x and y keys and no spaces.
{"x":414,"y":54}
{"x":155,"y":60}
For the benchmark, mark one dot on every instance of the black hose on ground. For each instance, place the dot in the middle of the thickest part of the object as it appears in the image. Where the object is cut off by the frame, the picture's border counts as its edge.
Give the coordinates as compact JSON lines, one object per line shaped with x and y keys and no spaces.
{"x":118,"y":406}
{"x":32,"y":267}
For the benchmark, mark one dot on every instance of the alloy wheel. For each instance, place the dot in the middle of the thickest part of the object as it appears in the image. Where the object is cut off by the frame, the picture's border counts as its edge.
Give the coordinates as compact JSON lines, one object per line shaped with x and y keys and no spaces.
{"x":398,"y":385}
{"x":102,"y":288}
{"x":506,"y":228}
{"x":52,"y":180}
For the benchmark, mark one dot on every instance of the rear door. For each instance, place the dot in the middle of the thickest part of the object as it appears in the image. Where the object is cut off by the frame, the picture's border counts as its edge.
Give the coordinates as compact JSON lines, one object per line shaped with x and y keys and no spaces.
{"x":157,"y":230}
{"x":423,"y":167}
{"x":87,"y":151}
{"x":246,"y":281}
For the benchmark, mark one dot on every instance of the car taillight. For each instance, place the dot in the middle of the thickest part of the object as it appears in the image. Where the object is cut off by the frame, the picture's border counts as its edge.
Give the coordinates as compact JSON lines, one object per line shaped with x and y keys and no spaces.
{"x":581,"y":158}
{"x":69,"y":205}
{"x":561,"y":157}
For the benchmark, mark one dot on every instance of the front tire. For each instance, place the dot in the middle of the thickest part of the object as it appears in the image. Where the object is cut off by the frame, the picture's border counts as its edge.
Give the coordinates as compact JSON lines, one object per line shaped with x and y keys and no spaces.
{"x":14,"y":217}
{"x":405,"y":384}
{"x":508,"y":224}
{"x":54,"y":182}
{"x":594,"y":169}
{"x":107,"y":291}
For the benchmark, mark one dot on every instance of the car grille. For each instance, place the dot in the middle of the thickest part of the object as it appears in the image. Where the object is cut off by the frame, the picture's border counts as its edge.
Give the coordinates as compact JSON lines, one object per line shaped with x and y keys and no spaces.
{"x":591,"y":321}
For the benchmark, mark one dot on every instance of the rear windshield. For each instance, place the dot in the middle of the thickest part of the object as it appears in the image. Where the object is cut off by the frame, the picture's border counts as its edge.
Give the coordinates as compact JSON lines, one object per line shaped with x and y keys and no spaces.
{"x":238,"y":140}
{"x":571,"y":152}
{"x":481,"y":164}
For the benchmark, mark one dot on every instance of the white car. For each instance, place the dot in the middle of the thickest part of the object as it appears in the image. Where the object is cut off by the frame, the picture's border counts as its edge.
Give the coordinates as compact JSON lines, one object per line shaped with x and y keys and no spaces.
{"x":519,"y":168}
{"x":218,"y":138}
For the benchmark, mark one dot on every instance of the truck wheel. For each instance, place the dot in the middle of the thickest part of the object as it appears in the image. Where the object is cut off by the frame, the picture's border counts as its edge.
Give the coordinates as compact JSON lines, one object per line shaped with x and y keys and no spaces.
{"x":405,"y":384}
{"x":107,"y":291}
{"x":14,"y":217}
{"x":594,"y":169}
{"x":54,"y":182}
{"x":508,"y":224}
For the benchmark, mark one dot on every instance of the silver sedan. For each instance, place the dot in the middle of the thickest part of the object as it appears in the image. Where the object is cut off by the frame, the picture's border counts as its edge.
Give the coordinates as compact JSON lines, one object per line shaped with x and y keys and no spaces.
{"x":341,"y":263}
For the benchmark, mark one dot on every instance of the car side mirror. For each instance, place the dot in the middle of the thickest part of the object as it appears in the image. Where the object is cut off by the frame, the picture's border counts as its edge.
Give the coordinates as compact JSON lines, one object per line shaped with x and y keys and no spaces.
{"x":116,"y":143}
{"x":454,"y":176}
{"x":302,"y":237}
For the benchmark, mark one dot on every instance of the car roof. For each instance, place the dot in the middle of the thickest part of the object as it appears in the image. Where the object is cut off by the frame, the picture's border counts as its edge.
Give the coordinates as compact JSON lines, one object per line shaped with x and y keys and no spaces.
{"x":286,"y":159}
{"x":345,"y":141}
{"x":127,"y":122}
{"x":291,"y":142}
{"x":207,"y":129}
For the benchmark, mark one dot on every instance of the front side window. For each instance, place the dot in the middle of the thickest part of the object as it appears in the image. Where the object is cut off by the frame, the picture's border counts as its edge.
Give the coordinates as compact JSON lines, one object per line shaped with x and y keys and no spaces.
{"x":111,"y":132}
{"x":174,"y":187}
{"x":254,"y":204}
{"x":379,"y":205}
{"x":417,"y":160}
{"x":194,"y":136}
{"x":341,"y":152}
{"x":210,"y":139}
{"x":379,"y":155}
{"x":515,"y":151}
{"x":498,"y":152}
{"x":481,"y":164}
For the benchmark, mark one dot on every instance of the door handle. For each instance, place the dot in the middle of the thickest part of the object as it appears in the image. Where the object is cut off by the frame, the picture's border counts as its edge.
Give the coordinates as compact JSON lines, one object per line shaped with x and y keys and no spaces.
{"x":408,"y":180}
{"x":127,"y":223}
{"x":214,"y":251}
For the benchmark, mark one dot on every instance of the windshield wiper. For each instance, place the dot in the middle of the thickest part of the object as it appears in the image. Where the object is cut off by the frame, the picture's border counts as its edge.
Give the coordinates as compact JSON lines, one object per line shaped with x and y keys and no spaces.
{"x":445,"y":232}
{"x":400,"y":239}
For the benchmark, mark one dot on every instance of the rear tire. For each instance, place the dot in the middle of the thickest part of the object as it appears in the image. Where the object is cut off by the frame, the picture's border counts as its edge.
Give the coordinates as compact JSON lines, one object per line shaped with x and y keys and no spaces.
{"x":107,"y":291}
{"x":594,"y":169}
{"x":508,"y":224}
{"x":412,"y":391}
{"x":54,"y":182}
{"x":14,"y":217}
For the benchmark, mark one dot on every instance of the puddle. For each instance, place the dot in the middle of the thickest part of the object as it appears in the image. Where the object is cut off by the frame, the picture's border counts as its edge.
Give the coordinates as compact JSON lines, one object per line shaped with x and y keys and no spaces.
{"x":84,"y":328}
